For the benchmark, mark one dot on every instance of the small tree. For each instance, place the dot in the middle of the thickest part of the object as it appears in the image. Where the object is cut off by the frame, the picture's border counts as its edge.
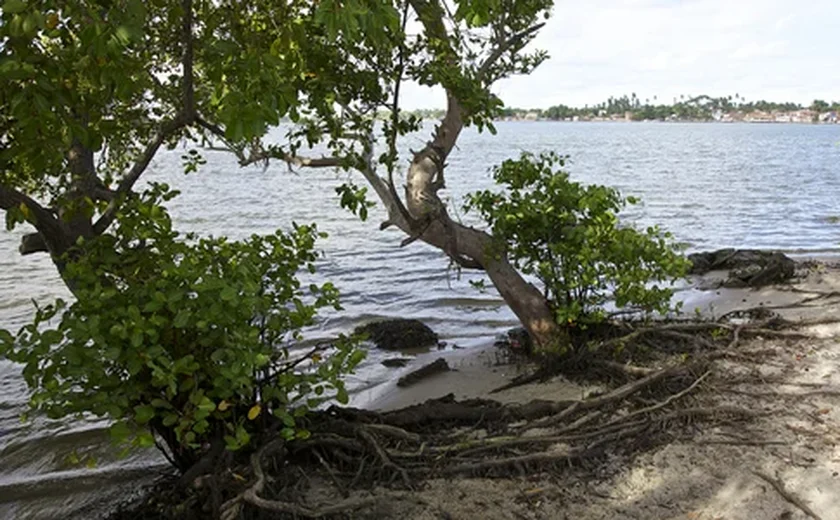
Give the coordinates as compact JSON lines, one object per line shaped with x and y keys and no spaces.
{"x":183,"y":337}
{"x":569,"y":236}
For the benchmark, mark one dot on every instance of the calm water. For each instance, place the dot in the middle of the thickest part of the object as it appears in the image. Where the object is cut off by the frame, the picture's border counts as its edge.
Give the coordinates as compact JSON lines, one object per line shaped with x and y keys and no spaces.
{"x":712,"y":185}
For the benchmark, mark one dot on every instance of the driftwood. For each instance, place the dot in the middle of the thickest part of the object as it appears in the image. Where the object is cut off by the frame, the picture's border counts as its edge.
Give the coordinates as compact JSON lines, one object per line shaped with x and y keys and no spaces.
{"x":435,"y":367}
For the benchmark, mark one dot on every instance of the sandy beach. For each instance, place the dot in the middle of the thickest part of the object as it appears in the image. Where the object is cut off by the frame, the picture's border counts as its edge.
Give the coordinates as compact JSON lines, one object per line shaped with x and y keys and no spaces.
{"x":788,"y":454}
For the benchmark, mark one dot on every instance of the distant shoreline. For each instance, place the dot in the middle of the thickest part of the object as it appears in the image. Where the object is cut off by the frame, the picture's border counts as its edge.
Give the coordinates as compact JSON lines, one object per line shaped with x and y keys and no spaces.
{"x":667,"y":121}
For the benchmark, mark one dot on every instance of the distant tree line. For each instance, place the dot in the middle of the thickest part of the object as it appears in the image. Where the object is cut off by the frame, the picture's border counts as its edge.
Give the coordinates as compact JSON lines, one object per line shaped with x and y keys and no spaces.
{"x":684,"y":107}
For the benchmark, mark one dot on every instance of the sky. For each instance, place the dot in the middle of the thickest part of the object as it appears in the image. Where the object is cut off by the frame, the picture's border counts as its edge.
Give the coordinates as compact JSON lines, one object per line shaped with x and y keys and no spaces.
{"x":777,"y":50}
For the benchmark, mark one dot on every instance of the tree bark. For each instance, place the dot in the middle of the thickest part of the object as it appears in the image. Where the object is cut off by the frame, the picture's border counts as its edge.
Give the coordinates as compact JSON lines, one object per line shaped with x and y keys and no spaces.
{"x":526,"y":301}
{"x":424,"y":215}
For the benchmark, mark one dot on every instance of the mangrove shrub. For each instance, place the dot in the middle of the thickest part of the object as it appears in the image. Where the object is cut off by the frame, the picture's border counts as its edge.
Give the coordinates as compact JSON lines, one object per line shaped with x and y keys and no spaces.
{"x":568,"y":235}
{"x":183,"y":339}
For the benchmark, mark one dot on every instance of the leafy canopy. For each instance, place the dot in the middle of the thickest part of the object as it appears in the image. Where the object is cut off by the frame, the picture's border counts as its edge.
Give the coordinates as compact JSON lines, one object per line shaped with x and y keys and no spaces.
{"x":180,"y":334}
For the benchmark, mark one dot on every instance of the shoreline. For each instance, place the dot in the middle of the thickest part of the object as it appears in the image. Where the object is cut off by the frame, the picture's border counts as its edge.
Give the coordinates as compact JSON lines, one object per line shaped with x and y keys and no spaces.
{"x":711,"y":474}
{"x":480,"y":367}
{"x":709,"y":121}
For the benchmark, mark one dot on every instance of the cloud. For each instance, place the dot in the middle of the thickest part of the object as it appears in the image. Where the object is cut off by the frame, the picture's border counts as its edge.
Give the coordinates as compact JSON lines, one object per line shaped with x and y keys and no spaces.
{"x":761,"y":49}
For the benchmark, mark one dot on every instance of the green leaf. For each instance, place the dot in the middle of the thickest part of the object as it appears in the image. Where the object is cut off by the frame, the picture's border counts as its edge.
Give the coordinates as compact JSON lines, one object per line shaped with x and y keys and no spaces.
{"x":228,"y":293}
{"x":206,"y":404}
{"x":342,"y":396}
{"x":120,"y":431}
{"x":143,"y":413}
{"x":14,"y":6}
{"x":181,"y":319}
{"x":145,"y":439}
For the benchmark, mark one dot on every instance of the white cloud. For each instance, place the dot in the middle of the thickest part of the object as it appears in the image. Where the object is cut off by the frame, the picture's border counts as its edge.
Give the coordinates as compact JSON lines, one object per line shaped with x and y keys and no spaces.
{"x":761,"y":49}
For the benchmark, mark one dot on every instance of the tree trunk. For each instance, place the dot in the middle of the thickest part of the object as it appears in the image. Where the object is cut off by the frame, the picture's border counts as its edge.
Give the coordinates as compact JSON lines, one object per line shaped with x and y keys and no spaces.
{"x":526,"y":301}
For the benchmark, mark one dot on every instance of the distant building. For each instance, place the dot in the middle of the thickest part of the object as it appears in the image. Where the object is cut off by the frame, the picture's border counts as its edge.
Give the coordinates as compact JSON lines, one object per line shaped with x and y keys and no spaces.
{"x":782,"y":117}
{"x":803,"y":116}
{"x":759,"y":117}
{"x":829,"y":117}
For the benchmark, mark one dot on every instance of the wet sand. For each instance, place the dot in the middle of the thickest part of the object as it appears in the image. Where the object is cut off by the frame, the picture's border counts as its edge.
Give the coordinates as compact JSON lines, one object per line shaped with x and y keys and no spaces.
{"x":480,"y":367}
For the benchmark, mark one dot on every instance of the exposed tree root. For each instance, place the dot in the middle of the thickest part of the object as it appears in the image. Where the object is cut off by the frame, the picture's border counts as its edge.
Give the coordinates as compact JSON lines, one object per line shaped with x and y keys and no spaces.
{"x":779,"y":486}
{"x":232,"y":509}
{"x":350,"y":451}
{"x":400,"y":451}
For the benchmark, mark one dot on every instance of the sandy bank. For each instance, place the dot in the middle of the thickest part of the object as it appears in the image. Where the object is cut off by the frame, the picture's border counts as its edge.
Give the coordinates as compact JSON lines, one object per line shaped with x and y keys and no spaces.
{"x":789,"y":454}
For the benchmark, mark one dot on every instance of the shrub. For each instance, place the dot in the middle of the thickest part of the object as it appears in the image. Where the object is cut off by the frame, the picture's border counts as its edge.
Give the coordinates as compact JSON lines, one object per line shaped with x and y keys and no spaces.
{"x":570,"y":238}
{"x":186,"y":339}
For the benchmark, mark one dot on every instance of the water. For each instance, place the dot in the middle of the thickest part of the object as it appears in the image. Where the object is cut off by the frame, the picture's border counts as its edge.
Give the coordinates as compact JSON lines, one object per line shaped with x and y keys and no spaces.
{"x":712,"y":185}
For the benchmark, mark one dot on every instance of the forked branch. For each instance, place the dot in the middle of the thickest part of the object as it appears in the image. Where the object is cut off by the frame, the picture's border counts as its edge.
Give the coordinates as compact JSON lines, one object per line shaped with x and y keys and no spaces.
{"x":167,"y":129}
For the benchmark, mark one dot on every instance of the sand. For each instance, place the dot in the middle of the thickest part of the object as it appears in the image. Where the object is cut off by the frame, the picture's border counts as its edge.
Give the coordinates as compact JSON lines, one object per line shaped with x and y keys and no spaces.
{"x":712,"y":473}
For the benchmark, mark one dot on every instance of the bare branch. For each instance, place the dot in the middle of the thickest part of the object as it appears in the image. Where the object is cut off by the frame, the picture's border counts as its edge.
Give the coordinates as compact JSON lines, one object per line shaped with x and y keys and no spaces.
{"x":392,"y":139}
{"x":165,"y":131}
{"x":431,"y":14}
{"x":11,"y":198}
{"x":514,"y":42}
{"x":466,"y":263}
{"x":260,"y":155}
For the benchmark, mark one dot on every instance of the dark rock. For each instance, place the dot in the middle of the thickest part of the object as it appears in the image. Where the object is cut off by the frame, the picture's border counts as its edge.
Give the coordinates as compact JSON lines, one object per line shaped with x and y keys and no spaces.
{"x":516,"y":339}
{"x":435,"y":367}
{"x":747,"y":267}
{"x":399,"y":334}
{"x":396,"y":362}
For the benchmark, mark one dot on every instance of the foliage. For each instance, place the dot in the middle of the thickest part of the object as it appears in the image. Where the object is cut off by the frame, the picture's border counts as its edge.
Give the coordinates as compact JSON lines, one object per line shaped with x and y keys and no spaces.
{"x":569,"y":236}
{"x":184,"y":338}
{"x":178,"y":333}
{"x":354,"y":199}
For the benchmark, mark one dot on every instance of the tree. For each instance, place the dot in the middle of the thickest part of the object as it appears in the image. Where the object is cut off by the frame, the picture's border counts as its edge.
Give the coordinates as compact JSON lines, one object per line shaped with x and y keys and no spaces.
{"x":819,"y":106}
{"x":91,"y":91}
{"x":466,"y":67}
{"x":328,"y":68}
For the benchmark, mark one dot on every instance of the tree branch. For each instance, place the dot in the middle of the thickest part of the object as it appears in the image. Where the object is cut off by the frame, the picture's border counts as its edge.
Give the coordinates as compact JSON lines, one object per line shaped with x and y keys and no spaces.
{"x":514,"y":42}
{"x":392,"y":139}
{"x":33,"y":243}
{"x":467,"y":263}
{"x":260,"y":155}
{"x":431,"y":14}
{"x":187,"y":62}
{"x":42,"y":218}
{"x":167,"y":129}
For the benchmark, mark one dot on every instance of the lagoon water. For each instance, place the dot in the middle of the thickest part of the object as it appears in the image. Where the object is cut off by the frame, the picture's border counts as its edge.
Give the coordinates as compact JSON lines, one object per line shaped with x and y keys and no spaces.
{"x":712,"y":185}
